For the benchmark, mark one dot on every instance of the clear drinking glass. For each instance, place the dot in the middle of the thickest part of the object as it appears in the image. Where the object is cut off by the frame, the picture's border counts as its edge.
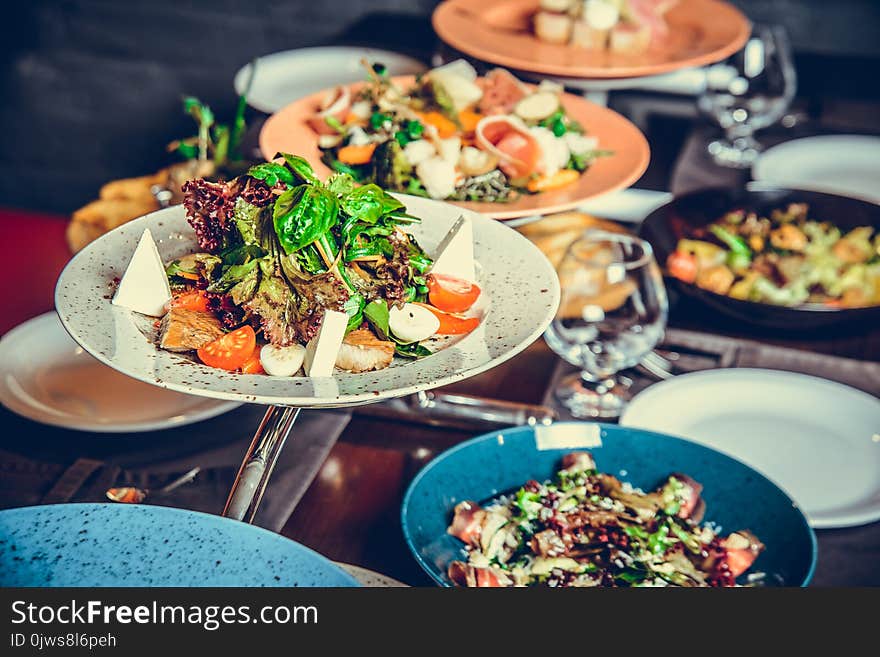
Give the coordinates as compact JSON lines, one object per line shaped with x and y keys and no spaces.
{"x":749,"y":91}
{"x":613,"y":313}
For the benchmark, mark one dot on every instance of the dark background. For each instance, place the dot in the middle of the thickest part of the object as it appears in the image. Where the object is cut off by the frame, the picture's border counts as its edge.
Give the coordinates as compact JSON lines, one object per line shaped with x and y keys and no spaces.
{"x":91,"y":88}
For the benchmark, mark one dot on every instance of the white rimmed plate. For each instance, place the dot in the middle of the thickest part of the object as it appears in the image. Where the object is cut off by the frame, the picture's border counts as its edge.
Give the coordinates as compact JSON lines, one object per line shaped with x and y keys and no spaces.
{"x":840,"y":164}
{"x":284,"y":77}
{"x":818,"y":440}
{"x":519,"y":285}
{"x":47,"y":377}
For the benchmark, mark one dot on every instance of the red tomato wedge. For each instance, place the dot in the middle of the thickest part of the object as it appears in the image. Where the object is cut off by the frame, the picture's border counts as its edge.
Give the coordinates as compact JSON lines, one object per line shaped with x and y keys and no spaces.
{"x":192,"y":300}
{"x":682,"y":266}
{"x":451,"y":294}
{"x":451,"y":324}
{"x":253,"y":365}
{"x":231,"y":351}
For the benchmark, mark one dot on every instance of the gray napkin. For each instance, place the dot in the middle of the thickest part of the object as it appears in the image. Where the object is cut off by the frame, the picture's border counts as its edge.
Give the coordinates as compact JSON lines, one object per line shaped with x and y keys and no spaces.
{"x":44,"y":465}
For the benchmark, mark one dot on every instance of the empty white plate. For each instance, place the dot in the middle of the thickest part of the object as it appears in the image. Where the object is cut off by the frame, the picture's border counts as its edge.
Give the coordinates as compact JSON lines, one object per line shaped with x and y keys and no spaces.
{"x":284,"y":77}
{"x":47,"y":377}
{"x":840,"y":164}
{"x":818,"y":440}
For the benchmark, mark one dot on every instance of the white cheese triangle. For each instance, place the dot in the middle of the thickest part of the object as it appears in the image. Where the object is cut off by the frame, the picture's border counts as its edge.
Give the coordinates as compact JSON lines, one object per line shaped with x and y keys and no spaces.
{"x":455,"y":255}
{"x":321,"y":351}
{"x":144,"y":286}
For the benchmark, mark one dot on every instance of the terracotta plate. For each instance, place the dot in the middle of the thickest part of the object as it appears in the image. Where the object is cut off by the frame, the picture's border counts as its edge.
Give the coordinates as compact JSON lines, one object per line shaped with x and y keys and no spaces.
{"x":287,"y":131}
{"x":500,"y":31}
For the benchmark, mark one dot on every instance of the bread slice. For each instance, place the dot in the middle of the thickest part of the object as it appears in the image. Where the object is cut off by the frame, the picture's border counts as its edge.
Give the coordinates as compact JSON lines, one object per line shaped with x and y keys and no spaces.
{"x":552,"y":27}
{"x":585,"y":36}
{"x":629,"y":38}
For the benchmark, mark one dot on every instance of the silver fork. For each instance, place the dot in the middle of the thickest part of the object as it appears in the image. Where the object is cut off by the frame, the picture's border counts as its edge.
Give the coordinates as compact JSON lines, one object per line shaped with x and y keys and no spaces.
{"x":659,"y":366}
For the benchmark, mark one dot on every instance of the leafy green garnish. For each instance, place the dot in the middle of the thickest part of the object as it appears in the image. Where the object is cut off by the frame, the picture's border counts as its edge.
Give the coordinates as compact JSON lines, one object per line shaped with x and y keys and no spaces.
{"x":354,"y":308}
{"x":376,"y":313}
{"x":300,"y":168}
{"x":271,"y":173}
{"x":303,"y":214}
{"x":412,"y":350}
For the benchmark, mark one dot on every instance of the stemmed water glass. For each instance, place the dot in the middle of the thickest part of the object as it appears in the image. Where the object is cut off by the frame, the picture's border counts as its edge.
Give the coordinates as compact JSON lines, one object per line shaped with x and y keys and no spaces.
{"x":612,"y":314}
{"x":749,"y":91}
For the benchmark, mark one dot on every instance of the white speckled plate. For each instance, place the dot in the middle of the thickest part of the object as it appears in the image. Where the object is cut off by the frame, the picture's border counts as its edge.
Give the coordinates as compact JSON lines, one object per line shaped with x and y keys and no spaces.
{"x":518,"y":282}
{"x":47,"y":377}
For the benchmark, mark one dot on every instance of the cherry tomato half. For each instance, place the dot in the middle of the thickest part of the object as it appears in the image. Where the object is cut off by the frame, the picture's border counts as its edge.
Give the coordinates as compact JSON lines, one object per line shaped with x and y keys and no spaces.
{"x":253,"y":365}
{"x":451,"y":324}
{"x":682,"y":266}
{"x":191,"y":300}
{"x":451,"y":294}
{"x":230,"y":351}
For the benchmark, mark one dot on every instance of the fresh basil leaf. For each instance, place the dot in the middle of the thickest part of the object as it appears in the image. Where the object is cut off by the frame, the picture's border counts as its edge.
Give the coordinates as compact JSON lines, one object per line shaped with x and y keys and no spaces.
{"x":303,"y":214}
{"x":369,"y":203}
{"x":271,"y":173}
{"x":300,"y":167}
{"x":341,"y":184}
{"x":364,"y":203}
{"x":376,"y":313}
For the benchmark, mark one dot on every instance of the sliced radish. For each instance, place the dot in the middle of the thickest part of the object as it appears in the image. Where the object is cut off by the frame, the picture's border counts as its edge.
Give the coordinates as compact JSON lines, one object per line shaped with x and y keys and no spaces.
{"x":282,"y":361}
{"x":537,"y":106}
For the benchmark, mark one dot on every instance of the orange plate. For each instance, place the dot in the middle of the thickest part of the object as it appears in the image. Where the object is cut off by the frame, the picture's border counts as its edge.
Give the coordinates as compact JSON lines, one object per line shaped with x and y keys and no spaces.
{"x":500,"y":31}
{"x":287,"y":131}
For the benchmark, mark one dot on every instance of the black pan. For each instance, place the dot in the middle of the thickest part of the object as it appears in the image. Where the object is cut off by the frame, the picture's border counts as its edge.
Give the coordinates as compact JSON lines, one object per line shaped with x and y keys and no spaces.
{"x":667,"y":224}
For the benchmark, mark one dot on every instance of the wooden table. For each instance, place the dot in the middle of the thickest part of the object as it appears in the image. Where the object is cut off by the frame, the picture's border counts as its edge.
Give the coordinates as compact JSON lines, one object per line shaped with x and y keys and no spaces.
{"x":351,"y":511}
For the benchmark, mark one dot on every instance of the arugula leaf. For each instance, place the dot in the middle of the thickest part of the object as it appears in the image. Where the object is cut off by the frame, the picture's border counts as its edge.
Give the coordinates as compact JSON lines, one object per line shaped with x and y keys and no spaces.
{"x":303,"y":214}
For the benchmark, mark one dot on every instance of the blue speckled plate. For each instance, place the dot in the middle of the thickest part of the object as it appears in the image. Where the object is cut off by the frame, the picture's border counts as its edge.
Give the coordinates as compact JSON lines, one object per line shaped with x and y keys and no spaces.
{"x":736,"y":496}
{"x":121,"y":545}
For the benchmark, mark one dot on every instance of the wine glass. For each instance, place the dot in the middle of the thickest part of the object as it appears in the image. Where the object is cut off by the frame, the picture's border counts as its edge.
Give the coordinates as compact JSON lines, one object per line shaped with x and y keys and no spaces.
{"x":613,"y":313}
{"x":749,"y":91}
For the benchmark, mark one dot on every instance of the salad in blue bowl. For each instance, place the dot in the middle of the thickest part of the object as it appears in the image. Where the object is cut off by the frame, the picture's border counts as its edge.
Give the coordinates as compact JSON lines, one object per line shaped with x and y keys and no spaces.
{"x":592,"y":505}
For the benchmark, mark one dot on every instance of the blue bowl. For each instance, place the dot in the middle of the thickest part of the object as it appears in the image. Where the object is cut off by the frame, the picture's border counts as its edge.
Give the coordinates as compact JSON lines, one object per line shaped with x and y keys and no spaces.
{"x":736,"y":496}
{"x":123,"y":545}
